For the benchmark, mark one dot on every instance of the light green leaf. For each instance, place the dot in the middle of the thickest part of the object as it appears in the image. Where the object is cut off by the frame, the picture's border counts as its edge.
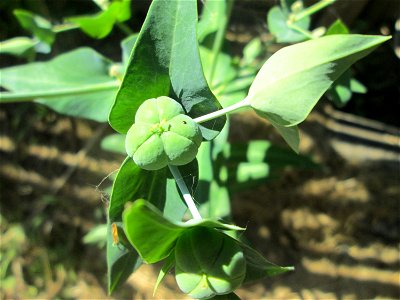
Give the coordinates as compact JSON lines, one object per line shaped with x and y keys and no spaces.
{"x":40,"y":27}
{"x":293,"y":80}
{"x":100,"y":25}
{"x":212,"y":192}
{"x":251,"y":164}
{"x":252,"y":50}
{"x":97,"y":26}
{"x":212,"y":15}
{"x":165,"y":62}
{"x":114,"y":143}
{"x":18,"y":46}
{"x":357,"y":87}
{"x":278,"y":25}
{"x":343,"y":88}
{"x":96,"y":235}
{"x":290,"y":135}
{"x":338,"y":27}
{"x":76,"y":83}
{"x":127,"y":46}
{"x":154,"y":236}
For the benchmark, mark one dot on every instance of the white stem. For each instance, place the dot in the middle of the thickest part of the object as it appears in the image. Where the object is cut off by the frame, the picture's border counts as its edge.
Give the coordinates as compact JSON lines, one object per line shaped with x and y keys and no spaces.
{"x":185,"y":192}
{"x":241,"y":104}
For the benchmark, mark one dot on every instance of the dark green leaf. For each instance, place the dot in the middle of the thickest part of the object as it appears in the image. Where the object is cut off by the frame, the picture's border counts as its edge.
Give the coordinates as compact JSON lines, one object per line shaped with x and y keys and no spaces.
{"x":154,"y":236}
{"x":165,"y":62}
{"x":168,"y":265}
{"x":40,"y":27}
{"x":132,"y":183}
{"x":83,"y":71}
{"x":257,"y":267}
{"x":121,"y":262}
{"x":230,"y":296}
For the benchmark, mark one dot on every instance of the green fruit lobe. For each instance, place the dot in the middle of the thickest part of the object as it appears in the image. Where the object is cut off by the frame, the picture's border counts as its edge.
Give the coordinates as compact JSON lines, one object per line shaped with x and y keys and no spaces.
{"x":162,"y":134}
{"x":208,"y":263}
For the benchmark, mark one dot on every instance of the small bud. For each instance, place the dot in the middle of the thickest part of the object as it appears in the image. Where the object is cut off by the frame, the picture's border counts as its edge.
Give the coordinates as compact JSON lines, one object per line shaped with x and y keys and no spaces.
{"x":162,"y":135}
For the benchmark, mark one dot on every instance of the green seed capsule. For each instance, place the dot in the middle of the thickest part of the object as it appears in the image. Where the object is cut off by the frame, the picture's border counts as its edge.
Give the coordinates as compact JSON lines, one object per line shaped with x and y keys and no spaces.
{"x":162,"y":135}
{"x":208,"y":263}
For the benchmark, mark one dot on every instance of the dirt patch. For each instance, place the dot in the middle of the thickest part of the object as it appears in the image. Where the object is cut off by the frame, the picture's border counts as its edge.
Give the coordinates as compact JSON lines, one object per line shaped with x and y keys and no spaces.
{"x":338,"y":225}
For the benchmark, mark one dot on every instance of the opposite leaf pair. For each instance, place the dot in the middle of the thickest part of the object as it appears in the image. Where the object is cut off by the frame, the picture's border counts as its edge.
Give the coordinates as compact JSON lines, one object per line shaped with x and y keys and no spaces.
{"x":207,"y":261}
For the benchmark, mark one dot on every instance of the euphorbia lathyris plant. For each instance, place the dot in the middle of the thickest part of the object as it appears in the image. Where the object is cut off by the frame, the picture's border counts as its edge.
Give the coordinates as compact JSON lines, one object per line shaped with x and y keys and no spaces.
{"x":165,"y":63}
{"x":166,"y":109}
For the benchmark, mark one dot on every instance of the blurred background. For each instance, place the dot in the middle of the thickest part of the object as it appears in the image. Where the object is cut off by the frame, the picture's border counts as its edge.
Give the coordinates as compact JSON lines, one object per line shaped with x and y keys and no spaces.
{"x":338,"y":222}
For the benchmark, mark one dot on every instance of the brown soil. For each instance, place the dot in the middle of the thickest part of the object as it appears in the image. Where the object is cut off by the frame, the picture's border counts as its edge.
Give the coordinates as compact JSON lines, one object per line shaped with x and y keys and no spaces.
{"x":338,"y":225}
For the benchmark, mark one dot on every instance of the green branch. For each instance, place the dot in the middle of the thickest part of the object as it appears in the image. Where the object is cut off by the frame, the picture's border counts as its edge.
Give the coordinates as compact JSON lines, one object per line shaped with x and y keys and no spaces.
{"x":10,"y":97}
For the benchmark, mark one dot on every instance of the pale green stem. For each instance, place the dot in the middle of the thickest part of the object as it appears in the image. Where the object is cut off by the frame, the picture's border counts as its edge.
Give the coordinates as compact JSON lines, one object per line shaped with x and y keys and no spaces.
{"x":301,"y":30}
{"x":9,"y":97}
{"x":219,"y":39}
{"x":124,"y":28}
{"x":185,"y":192}
{"x":311,"y":10}
{"x":241,"y":104}
{"x":64,"y":27}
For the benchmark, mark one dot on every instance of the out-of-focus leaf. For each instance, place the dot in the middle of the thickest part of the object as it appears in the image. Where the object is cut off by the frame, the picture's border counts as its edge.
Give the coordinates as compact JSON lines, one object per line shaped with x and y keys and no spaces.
{"x":165,"y":62}
{"x":114,"y":143}
{"x":76,"y":70}
{"x":338,"y":27}
{"x":100,"y":25}
{"x":342,"y":90}
{"x":211,"y":17}
{"x":38,"y":26}
{"x":18,"y":46}
{"x":277,"y":21}
{"x":97,"y":235}
{"x":357,"y":87}
{"x":252,"y":50}
{"x":127,"y":46}
{"x":250,"y":164}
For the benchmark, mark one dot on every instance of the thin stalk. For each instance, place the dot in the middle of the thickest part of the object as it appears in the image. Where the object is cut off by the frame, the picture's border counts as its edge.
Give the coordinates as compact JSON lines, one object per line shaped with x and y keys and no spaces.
{"x":241,"y":104}
{"x":185,"y":192}
{"x":124,"y":28}
{"x":301,"y":30}
{"x":64,"y":27}
{"x":219,"y":39}
{"x":311,"y":10}
{"x":10,"y":97}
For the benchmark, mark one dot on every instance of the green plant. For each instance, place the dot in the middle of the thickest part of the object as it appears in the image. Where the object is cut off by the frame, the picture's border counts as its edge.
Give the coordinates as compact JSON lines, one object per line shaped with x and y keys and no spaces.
{"x":165,"y":106}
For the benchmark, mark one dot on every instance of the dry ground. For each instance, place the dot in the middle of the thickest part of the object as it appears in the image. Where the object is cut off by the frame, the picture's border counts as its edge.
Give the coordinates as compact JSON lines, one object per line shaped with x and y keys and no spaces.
{"x":338,"y":225}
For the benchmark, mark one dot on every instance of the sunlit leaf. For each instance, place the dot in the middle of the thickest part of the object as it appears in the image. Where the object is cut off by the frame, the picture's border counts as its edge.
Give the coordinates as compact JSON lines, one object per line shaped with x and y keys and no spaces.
{"x":165,"y":62}
{"x":83,"y":70}
{"x":293,"y":80}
